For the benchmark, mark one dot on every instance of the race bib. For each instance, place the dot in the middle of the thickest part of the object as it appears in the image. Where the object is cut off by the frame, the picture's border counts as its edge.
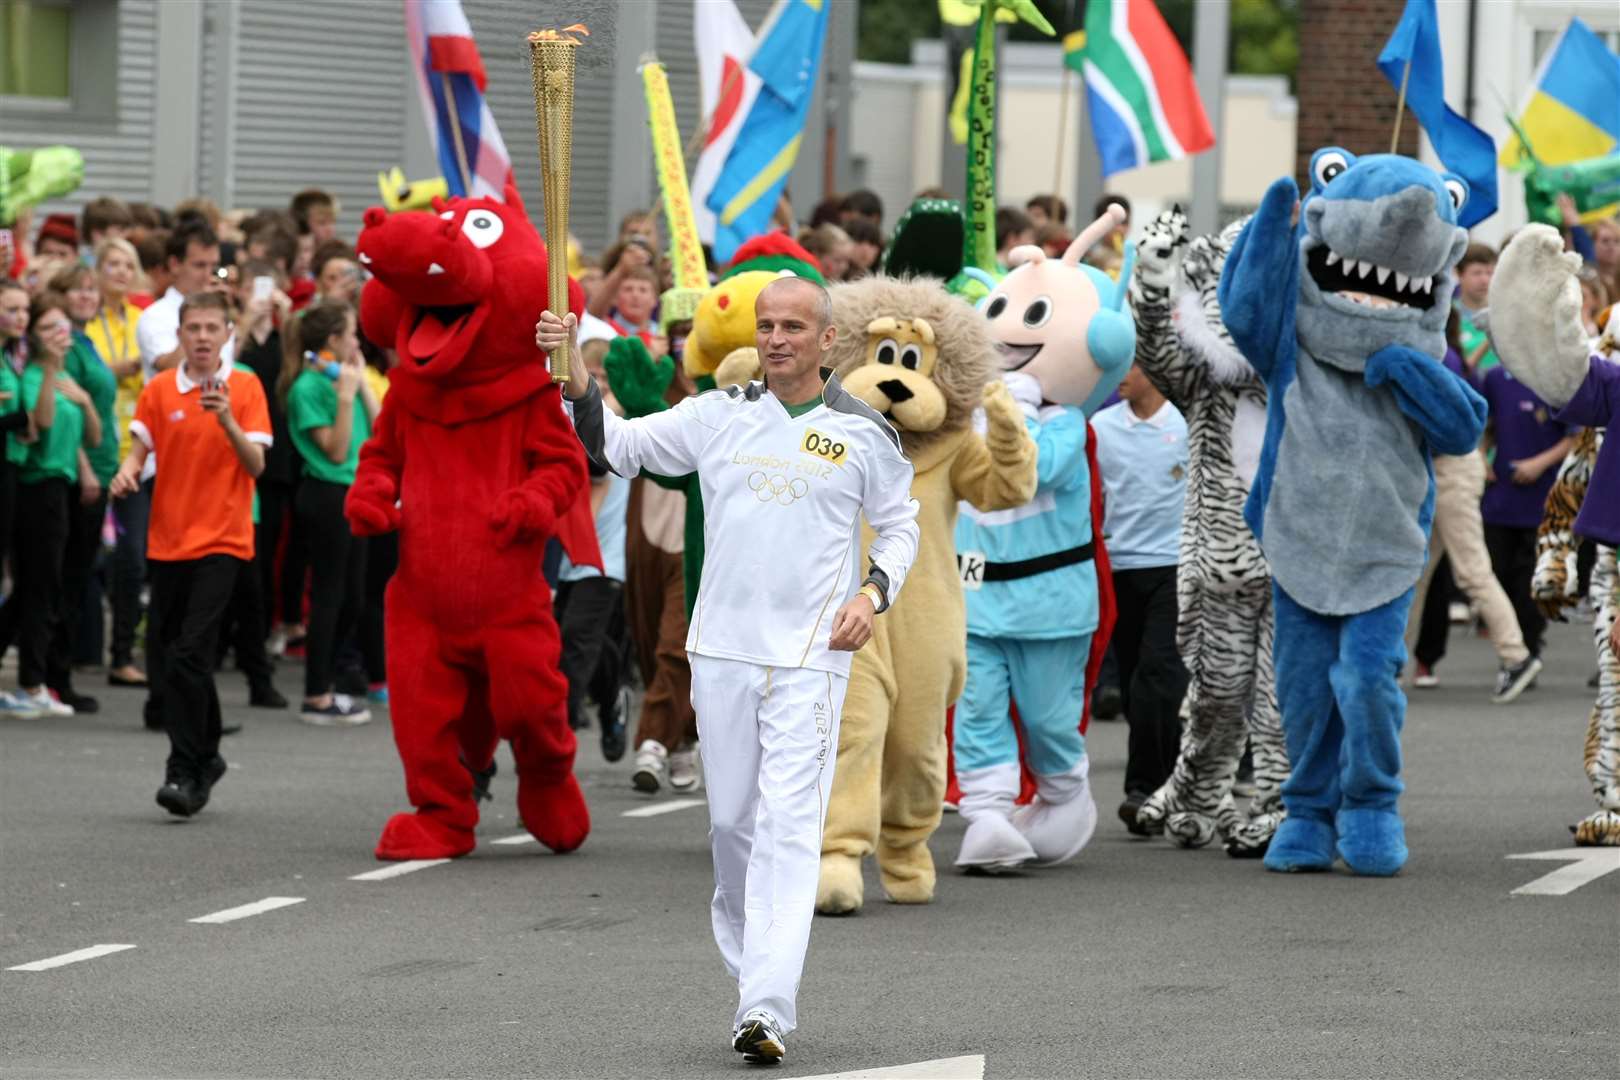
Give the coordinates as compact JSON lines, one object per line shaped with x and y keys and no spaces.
{"x":825,"y":447}
{"x":970,"y":565}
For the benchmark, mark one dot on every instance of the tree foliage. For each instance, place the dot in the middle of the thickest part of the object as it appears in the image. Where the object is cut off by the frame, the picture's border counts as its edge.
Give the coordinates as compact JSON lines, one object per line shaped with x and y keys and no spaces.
{"x":1264,"y":33}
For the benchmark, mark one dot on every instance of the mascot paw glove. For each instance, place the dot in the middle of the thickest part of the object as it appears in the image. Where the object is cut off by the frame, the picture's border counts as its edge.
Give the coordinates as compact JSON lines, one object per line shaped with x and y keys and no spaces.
{"x":520,"y":514}
{"x":370,"y":516}
{"x":1026,"y":391}
{"x":1002,"y":413}
{"x":638,"y":381}
{"x":1383,"y":364}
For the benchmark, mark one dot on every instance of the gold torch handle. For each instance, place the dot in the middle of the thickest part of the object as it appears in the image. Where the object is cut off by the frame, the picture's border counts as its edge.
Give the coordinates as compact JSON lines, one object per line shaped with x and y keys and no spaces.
{"x":552,"y":63}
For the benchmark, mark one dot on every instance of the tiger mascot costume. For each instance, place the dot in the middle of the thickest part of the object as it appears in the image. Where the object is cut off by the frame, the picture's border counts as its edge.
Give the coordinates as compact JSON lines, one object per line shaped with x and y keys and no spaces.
{"x":1223,"y":585}
{"x":1535,"y":303}
{"x":1555,"y":590}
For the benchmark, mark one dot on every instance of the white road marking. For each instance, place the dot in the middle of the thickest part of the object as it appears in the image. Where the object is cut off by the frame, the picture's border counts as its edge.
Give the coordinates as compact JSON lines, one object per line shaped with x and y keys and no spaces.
{"x":258,"y":907}
{"x":409,"y":866}
{"x":1588,"y":864}
{"x":956,"y":1068}
{"x":663,"y":808}
{"x":520,"y":838}
{"x":70,"y":958}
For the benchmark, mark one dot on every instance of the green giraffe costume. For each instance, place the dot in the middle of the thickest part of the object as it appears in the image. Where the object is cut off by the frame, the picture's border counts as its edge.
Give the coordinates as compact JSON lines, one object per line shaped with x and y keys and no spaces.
{"x":641,"y":384}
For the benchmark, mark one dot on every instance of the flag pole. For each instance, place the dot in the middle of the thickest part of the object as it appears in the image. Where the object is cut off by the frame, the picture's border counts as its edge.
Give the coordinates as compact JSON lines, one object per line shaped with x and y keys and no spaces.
{"x":455,"y":133}
{"x":1400,"y":107}
{"x":1063,"y":130}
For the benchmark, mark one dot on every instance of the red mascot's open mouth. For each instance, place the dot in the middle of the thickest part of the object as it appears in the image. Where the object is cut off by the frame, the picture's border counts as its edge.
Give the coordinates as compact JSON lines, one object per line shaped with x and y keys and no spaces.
{"x":439,"y":336}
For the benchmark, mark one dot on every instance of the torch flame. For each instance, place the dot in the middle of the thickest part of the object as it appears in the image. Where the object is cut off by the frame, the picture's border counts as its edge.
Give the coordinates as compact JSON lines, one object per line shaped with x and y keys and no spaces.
{"x":561,"y":35}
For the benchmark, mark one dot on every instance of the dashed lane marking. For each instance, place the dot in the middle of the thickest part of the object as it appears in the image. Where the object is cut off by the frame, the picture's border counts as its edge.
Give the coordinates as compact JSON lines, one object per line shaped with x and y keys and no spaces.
{"x":247,"y":911}
{"x":409,"y":866}
{"x":1587,"y":865}
{"x":663,"y":808}
{"x":957,"y":1068}
{"x":520,"y":838}
{"x":71,"y":958}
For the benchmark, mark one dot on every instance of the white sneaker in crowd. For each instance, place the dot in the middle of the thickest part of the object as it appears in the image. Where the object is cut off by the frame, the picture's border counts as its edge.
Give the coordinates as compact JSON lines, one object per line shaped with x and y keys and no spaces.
{"x":18,"y":706}
{"x":343,"y":711}
{"x":652,"y":766}
{"x":1460,"y":613}
{"x":45,"y":702}
{"x":685,"y":769}
{"x":276,"y":643}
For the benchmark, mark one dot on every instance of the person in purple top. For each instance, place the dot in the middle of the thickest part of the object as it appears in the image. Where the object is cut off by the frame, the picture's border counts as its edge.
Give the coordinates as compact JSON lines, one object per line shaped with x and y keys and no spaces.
{"x":1458,"y":538}
{"x":1529,"y":446}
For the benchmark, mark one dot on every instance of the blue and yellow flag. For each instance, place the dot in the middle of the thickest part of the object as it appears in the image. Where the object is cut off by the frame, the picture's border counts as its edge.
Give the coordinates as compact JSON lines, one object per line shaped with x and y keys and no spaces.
{"x":745,"y":193}
{"x":1572,"y":112}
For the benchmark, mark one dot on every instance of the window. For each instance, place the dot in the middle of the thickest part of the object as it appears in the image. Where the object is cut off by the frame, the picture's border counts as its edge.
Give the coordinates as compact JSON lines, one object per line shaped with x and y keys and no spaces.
{"x":36,"y":45}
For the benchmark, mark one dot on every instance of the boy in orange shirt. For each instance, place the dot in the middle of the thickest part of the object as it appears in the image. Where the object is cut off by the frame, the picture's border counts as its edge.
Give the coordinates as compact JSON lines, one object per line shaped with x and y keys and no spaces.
{"x":209,"y":424}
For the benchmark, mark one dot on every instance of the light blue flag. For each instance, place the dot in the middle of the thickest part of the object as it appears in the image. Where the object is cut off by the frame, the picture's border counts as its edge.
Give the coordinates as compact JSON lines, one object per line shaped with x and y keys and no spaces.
{"x":745,"y":192}
{"x":1462,"y":148}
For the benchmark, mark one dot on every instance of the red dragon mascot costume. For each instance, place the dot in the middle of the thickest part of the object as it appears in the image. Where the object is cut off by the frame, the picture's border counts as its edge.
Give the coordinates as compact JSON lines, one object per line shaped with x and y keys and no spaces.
{"x":475,"y":464}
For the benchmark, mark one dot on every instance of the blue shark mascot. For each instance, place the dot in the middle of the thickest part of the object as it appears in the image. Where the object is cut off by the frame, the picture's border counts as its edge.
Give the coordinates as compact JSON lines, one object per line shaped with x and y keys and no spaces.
{"x":1032,"y":573}
{"x":1344,"y":496}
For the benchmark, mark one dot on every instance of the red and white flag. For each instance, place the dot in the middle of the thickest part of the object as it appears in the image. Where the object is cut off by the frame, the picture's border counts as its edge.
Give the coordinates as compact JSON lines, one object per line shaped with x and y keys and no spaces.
{"x":724,"y":47}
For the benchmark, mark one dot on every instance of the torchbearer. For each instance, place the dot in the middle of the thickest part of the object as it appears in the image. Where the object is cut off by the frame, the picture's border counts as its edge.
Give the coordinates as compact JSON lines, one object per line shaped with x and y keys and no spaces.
{"x":787,"y":467}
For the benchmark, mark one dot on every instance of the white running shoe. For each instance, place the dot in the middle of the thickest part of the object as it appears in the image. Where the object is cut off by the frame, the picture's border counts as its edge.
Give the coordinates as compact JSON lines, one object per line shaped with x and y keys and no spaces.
{"x":276,"y":643}
{"x":652,"y":767}
{"x":758,"y":1039}
{"x":19,"y":706}
{"x":344,"y":711}
{"x":45,"y":702}
{"x":685,"y":769}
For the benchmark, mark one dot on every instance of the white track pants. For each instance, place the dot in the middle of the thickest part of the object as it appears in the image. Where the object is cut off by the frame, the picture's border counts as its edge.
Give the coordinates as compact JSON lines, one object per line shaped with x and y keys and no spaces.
{"x":769,"y":739}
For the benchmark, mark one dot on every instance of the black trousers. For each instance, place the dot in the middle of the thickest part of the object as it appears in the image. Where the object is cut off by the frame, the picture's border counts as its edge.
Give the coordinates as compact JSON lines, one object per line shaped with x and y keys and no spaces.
{"x":243,"y":630}
{"x":82,"y":549}
{"x":131,"y":514}
{"x":35,"y":610}
{"x":188,"y":605}
{"x":1513,"y":559}
{"x":275,"y":513}
{"x":337,"y":579}
{"x":1152,"y":678}
{"x":1434,"y":625}
{"x":590,"y":615}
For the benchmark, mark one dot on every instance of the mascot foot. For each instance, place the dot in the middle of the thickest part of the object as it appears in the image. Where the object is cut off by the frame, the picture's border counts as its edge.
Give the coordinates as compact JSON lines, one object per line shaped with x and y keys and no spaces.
{"x":992,"y":846}
{"x":1301,"y":845}
{"x":1602,"y":829}
{"x":554,"y":813}
{"x":1250,"y":840}
{"x":1059,"y":821}
{"x":1189,"y":830}
{"x":417,"y":836}
{"x":840,"y":891}
{"x":1372,"y":842}
{"x":907,"y":873}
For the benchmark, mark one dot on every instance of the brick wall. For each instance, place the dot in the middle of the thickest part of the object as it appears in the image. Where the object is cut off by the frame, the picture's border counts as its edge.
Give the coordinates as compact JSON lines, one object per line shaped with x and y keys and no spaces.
{"x":1344,"y":100}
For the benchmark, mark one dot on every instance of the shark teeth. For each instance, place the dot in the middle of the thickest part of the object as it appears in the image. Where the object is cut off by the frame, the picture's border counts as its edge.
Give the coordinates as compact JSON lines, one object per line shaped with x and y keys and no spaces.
{"x":1365,"y":268}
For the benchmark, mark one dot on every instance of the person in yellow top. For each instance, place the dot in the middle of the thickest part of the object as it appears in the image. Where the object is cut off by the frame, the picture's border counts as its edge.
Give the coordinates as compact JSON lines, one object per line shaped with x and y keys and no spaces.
{"x":112,"y":332}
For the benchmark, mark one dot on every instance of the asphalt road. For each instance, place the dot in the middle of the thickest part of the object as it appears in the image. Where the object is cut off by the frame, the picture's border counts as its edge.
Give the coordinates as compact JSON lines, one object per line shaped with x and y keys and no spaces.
{"x":1137,"y":959}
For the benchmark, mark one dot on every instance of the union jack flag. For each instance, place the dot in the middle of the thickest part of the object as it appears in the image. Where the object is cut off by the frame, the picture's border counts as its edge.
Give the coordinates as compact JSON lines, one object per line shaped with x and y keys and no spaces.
{"x":450,"y":75}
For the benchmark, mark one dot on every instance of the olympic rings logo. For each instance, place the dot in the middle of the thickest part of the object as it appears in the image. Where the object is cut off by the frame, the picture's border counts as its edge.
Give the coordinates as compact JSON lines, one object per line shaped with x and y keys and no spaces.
{"x":777,"y":488}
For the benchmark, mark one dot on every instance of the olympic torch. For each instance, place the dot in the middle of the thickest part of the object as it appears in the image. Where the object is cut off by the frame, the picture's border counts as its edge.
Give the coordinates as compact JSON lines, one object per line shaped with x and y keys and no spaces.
{"x":551,"y":56}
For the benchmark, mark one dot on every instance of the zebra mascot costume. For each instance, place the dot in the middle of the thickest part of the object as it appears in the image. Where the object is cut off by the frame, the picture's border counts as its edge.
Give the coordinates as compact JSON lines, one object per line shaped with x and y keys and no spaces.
{"x":1223,"y":584}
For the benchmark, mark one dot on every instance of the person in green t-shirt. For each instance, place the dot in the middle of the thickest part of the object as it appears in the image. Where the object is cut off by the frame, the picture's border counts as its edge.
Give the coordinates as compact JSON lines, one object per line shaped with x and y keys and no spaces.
{"x":47,"y":487}
{"x":87,"y":367}
{"x":330,"y":410}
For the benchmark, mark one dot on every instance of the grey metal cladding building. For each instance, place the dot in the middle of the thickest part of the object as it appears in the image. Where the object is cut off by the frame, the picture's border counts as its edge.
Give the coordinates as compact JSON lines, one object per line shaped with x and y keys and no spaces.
{"x":247,"y":101}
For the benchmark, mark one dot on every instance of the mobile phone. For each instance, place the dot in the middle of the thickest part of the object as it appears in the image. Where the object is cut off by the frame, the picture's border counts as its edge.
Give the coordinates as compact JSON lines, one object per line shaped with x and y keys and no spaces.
{"x":263,"y":287}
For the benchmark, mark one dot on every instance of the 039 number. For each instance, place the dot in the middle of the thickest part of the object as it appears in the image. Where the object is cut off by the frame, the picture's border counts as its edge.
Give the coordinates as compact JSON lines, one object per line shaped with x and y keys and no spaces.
{"x":823,"y":447}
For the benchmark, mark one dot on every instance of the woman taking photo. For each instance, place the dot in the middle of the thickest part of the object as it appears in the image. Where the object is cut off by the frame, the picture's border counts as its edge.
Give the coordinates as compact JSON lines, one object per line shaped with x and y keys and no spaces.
{"x":112,"y":330}
{"x":330,"y":410}
{"x":47,"y":489}
{"x":78,"y":639}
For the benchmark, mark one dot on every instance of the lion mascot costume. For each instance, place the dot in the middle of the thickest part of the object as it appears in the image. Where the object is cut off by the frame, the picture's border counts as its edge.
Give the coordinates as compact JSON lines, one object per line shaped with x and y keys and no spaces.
{"x":922,"y":358}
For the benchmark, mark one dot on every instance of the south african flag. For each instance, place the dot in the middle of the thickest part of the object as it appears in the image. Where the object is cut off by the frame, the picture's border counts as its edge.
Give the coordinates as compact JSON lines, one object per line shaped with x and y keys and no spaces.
{"x":1144,"y":104}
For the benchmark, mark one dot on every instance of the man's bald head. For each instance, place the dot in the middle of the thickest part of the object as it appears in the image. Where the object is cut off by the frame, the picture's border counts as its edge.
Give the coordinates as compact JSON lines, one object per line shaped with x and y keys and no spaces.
{"x":798,"y":290}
